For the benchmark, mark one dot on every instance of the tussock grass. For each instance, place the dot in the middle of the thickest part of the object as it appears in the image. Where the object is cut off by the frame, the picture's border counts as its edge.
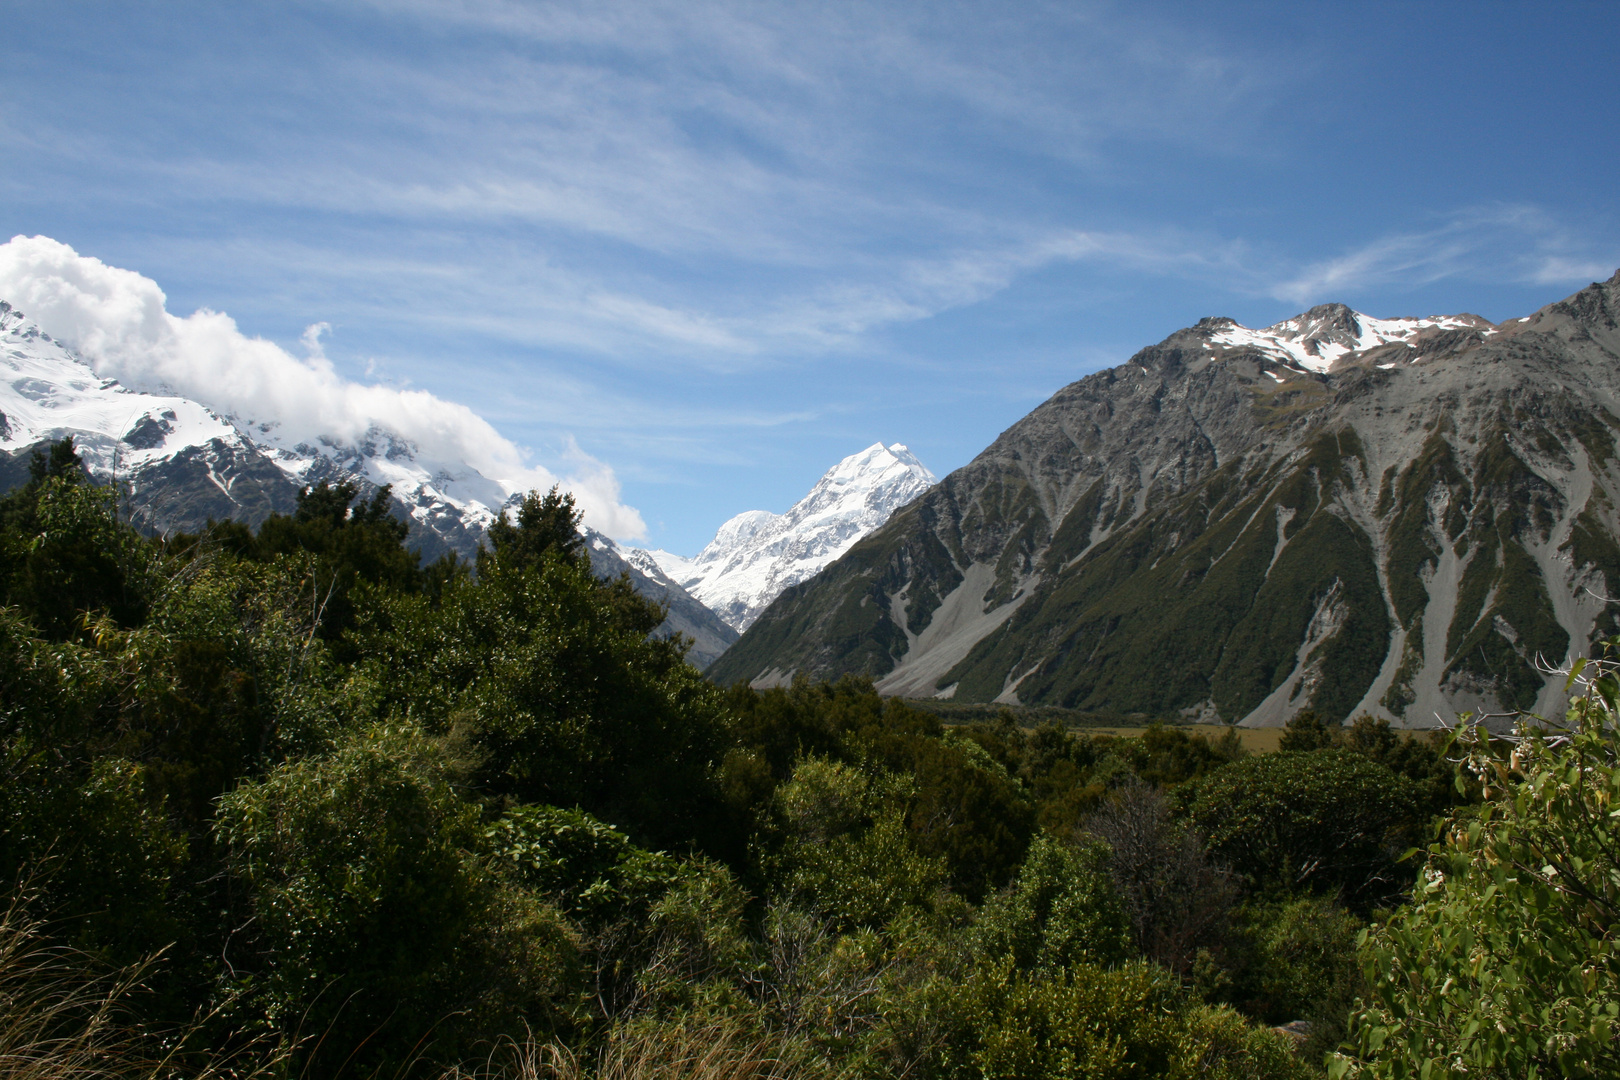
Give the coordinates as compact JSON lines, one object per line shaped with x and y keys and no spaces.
{"x":57,"y":1021}
{"x":66,"y":1016}
{"x":711,"y":1050}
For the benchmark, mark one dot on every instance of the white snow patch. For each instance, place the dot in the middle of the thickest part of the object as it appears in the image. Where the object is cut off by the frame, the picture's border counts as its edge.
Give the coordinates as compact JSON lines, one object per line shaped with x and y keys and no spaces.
{"x":1316,"y":345}
{"x":757,"y":554}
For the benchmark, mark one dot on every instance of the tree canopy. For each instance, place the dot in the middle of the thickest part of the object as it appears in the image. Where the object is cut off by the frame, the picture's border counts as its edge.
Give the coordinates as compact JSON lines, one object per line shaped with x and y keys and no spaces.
{"x":380,"y":818}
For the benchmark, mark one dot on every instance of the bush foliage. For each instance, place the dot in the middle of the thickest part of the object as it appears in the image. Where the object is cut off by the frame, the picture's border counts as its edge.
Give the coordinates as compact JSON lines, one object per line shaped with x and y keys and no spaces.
{"x":367,"y":817}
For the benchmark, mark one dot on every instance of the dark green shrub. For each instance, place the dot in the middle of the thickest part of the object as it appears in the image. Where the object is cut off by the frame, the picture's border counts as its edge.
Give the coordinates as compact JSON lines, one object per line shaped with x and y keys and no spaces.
{"x":654,"y":927}
{"x":1295,"y":960}
{"x":1129,"y":1023}
{"x":374,"y":922}
{"x":96,"y":851}
{"x":551,"y":677}
{"x":969,"y":812}
{"x":64,"y":554}
{"x":1060,"y":911}
{"x":1330,"y":821}
{"x":843,"y":849}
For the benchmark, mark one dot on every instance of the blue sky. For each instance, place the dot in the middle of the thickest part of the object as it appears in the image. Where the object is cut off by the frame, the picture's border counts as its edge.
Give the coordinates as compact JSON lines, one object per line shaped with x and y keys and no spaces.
{"x":717,"y":247}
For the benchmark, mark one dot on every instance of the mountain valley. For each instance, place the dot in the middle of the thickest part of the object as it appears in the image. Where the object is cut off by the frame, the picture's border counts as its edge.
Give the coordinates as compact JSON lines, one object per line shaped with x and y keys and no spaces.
{"x":1402,"y":517}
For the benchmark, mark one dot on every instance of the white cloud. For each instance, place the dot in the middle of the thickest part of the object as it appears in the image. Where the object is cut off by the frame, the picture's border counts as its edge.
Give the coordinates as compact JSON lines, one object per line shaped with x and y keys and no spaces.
{"x":119,"y":322}
{"x":1559,"y":270}
{"x":838,"y":315}
{"x":1515,"y":241}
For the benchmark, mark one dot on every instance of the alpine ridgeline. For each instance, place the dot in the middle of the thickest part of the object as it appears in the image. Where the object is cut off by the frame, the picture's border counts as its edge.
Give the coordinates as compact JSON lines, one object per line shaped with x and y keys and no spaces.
{"x":1406,"y":517}
{"x":180,"y":464}
{"x":757,"y":554}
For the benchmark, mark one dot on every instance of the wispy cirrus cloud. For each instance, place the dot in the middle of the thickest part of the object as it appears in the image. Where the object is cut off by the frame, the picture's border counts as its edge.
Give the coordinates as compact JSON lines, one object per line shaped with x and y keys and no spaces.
{"x":689,"y":228}
{"x":1520,"y":242}
{"x":708,"y":184}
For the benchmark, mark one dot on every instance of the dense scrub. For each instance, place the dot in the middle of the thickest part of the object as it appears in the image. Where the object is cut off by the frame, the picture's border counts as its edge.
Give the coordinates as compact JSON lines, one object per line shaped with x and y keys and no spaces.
{"x":363,"y":817}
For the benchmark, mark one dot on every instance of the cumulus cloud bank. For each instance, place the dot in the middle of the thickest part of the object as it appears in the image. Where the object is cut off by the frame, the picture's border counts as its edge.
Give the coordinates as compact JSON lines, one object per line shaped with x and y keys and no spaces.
{"x":119,"y":322}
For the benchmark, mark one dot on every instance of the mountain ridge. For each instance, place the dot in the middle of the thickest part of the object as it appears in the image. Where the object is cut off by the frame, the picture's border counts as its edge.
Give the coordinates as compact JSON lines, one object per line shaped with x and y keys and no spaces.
{"x":1291,"y":517}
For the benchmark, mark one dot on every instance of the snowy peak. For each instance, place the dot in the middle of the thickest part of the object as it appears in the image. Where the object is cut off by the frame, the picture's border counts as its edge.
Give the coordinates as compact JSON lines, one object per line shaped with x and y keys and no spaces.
{"x":863,"y":487}
{"x":1331,"y":334}
{"x":1444,"y":531}
{"x":47,"y":392}
{"x":737,"y":532}
{"x":185,"y":463}
{"x":181,"y":464}
{"x":757,"y":554}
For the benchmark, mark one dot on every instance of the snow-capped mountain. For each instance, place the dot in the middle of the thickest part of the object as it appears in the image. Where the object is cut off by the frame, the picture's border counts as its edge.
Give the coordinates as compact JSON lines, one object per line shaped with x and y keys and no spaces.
{"x":1328,"y":333}
{"x":182,"y":463}
{"x":757,"y":554}
{"x":1407,"y":518}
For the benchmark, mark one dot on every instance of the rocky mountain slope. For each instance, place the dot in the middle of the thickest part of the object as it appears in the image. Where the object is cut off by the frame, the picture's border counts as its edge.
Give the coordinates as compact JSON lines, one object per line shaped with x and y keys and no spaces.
{"x":181,"y":463}
{"x":687,"y":615}
{"x":757,"y":554}
{"x":1408,"y":517}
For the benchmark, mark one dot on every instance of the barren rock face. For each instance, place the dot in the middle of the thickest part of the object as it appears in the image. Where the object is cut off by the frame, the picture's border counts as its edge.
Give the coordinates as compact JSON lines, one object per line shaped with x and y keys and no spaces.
{"x":1406,"y":517}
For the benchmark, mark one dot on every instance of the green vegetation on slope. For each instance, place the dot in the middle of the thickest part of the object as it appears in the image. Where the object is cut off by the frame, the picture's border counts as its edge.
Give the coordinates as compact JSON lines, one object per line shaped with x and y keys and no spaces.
{"x":1201,"y":580}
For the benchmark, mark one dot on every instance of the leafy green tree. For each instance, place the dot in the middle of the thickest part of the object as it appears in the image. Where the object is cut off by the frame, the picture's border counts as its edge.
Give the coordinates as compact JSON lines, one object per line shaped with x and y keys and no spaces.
{"x":1506,"y":963}
{"x":63,"y":552}
{"x":347,"y":542}
{"x":1421,"y":758}
{"x":1307,"y":731}
{"x":1060,"y":911}
{"x":966,"y":808}
{"x":225,"y":678}
{"x":117,"y":741}
{"x":970,"y":812}
{"x":564,"y":700}
{"x":374,"y":922}
{"x":546,"y":525}
{"x":1329,"y":821}
{"x":780,"y":725}
{"x":1417,"y":757}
